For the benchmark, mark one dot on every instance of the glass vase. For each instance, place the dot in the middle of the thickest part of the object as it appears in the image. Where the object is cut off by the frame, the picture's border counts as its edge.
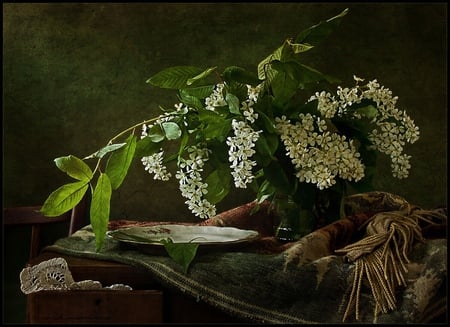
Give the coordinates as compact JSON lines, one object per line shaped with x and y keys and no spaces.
{"x":288,"y":214}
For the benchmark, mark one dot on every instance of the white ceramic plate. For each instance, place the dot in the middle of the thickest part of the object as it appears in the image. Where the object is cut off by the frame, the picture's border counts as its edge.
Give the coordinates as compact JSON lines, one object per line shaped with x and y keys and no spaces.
{"x":208,"y":235}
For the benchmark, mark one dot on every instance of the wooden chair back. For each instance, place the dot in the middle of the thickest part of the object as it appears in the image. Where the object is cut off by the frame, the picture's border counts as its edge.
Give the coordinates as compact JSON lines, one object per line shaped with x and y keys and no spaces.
{"x":30,"y":215}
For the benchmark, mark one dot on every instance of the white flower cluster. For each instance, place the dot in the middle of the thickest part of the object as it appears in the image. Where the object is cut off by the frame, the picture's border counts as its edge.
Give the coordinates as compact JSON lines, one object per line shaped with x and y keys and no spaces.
{"x":240,"y":151}
{"x":330,"y":106}
{"x":247,"y":105}
{"x":189,"y":173}
{"x":393,"y":127}
{"x":154,"y":165}
{"x":191,"y":185}
{"x":319,"y":158}
{"x":216,"y":99}
{"x":242,"y":143}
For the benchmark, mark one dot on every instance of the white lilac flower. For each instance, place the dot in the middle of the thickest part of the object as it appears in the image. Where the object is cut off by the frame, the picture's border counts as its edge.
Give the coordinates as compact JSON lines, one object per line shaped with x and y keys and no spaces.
{"x":180,"y":106}
{"x":154,"y":165}
{"x":253,"y":92}
{"x":191,"y":185}
{"x":216,"y":98}
{"x":319,"y":158}
{"x":247,"y":105}
{"x":144,"y":130}
{"x":248,"y":111}
{"x":393,"y":127}
{"x":327,"y":105}
{"x":358,"y":79}
{"x":400,"y":165}
{"x":412,"y":132}
{"x":240,"y":151}
{"x":347,"y":96}
{"x":382,"y":97}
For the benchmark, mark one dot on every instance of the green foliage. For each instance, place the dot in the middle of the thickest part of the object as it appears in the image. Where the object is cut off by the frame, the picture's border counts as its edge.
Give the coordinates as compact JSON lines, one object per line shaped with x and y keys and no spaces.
{"x":240,"y":75}
{"x":178,"y":77}
{"x":64,"y":198}
{"x":69,"y":195}
{"x":74,"y":167}
{"x":120,"y":161}
{"x":181,"y":253}
{"x":315,"y":34}
{"x":100,"y":207}
{"x":105,"y":150}
{"x":200,"y":76}
{"x":219,"y":182}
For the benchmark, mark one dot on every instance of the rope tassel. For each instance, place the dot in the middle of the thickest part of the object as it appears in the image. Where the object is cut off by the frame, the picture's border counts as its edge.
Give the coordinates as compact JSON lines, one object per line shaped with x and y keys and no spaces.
{"x":381,"y":258}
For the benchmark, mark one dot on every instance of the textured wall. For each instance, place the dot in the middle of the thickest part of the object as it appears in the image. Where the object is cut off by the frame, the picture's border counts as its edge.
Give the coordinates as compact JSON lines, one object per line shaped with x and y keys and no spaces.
{"x":74,"y":75}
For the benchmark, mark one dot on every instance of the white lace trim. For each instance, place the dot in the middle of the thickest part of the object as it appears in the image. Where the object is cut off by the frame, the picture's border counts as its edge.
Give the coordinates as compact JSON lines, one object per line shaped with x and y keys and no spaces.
{"x":54,"y":274}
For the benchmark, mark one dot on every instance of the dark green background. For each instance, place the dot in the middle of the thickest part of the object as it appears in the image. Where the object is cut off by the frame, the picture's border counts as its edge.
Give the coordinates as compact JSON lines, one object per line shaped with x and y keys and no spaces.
{"x":74,"y":75}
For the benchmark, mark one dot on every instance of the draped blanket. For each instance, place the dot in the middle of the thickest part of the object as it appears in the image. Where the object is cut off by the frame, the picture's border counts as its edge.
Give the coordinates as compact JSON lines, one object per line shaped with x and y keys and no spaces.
{"x":386,"y":262}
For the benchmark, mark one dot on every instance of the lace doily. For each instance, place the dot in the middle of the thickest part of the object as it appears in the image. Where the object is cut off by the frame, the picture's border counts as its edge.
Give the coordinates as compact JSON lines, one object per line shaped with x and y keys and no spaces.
{"x":54,"y":274}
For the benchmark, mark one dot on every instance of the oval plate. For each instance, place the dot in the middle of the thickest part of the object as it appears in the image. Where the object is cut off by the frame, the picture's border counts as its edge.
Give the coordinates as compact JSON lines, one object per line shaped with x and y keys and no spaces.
{"x":206,"y":235}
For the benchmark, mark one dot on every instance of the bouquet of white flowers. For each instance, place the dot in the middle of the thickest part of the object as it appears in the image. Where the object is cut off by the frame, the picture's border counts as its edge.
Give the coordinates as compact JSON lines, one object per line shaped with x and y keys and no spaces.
{"x":283,"y":130}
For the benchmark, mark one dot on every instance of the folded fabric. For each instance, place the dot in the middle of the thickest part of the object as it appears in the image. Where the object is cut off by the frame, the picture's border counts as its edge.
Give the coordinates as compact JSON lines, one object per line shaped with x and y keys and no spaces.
{"x":385,"y":262}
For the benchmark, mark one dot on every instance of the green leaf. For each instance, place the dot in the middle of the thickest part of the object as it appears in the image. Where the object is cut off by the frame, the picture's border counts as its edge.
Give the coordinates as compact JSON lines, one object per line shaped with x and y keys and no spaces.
{"x":146,"y":147}
{"x":268,"y":123}
{"x":181,"y":253}
{"x":215,"y":125}
{"x":283,"y":88}
{"x":64,"y":198}
{"x":200,"y":92}
{"x":300,"y":47}
{"x":264,"y":69}
{"x":233,"y":103}
{"x":105,"y":150}
{"x":174,"y":77}
{"x":120,"y":161}
{"x":171,"y":130}
{"x":302,"y":74}
{"x":316,"y":33}
{"x":276,"y":176}
{"x":219,"y":182}
{"x":309,"y":75}
{"x":266,"y":145}
{"x":265,"y":192}
{"x":100,"y":207}
{"x":200,"y":76}
{"x":155,"y":133}
{"x":74,"y":167}
{"x":304,"y":41}
{"x":183,"y":142}
{"x":240,"y":75}
{"x":368,"y":111}
{"x":190,"y":100}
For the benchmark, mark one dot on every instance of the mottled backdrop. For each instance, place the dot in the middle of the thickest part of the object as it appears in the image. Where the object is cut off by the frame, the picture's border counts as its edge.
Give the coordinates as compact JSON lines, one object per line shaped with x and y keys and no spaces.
{"x":74,"y":75}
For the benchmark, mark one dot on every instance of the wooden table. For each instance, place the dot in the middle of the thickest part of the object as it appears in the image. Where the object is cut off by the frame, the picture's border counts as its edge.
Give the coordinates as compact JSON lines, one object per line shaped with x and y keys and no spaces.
{"x":148,"y":302}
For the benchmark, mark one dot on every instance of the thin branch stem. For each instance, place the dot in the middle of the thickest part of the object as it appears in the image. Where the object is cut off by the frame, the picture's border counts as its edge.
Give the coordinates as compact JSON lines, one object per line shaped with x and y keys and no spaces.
{"x":122,"y":133}
{"x":132,"y":128}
